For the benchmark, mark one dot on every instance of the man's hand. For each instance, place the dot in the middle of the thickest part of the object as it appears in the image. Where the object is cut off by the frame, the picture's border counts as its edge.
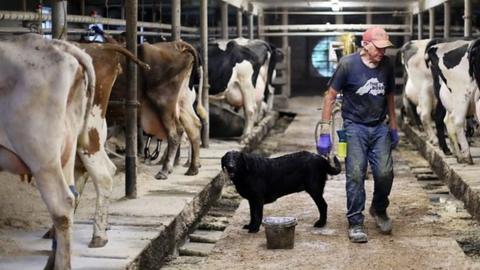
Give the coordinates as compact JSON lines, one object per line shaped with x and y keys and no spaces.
{"x":394,"y":137}
{"x":324,"y":144}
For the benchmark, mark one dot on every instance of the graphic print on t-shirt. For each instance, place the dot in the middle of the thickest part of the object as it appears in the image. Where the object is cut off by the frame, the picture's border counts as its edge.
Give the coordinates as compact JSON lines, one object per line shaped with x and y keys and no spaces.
{"x":372,"y":87}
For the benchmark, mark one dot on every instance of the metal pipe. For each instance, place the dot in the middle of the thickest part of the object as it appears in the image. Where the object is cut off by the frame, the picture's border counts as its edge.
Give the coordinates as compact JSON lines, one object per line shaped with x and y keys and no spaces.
{"x":305,"y":34}
{"x":261,"y":25}
{"x":131,"y":103}
{"x":333,"y":13}
{"x":59,"y":19}
{"x":250,"y":25}
{"x":446,"y":19}
{"x":420,"y":26}
{"x":35,"y":16}
{"x":468,"y":18}
{"x":206,"y":87}
{"x":431,"y":23}
{"x":239,"y":23}
{"x":224,"y":19}
{"x":285,"y":23}
{"x":333,"y":27}
{"x":176,"y":19}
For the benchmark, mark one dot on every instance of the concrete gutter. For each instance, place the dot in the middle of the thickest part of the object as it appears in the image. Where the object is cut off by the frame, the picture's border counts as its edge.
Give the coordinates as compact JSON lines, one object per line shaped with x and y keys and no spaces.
{"x":462,"y":180}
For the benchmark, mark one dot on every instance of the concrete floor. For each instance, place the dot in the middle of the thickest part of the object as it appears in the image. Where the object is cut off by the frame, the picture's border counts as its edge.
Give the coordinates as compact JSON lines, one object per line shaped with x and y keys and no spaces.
{"x":425,"y":231}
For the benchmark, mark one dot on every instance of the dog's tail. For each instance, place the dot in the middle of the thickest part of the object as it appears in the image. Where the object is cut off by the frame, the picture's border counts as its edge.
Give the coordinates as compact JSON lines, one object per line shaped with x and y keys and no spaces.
{"x":334,"y":170}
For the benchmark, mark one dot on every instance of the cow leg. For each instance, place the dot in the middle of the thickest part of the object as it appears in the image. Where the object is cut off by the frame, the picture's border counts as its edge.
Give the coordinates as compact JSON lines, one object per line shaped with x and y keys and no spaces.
{"x":192,"y":126}
{"x":60,"y":202}
{"x":249,"y":104}
{"x":101,"y":170}
{"x":425,"y":105}
{"x":173,"y":142}
{"x":462,"y":147}
{"x":440,"y":114}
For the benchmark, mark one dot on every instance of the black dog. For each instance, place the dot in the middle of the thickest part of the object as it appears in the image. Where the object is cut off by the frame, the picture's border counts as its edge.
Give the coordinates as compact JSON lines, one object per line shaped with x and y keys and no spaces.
{"x":263,"y":180}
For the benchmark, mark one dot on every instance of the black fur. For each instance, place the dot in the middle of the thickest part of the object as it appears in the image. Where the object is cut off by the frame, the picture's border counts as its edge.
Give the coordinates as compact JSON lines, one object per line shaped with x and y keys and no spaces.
{"x":264,"y":180}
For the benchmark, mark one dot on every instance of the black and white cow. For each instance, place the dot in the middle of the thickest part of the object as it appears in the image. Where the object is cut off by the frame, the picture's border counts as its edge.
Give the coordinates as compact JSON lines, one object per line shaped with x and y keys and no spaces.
{"x":418,"y":95}
{"x":455,"y":71}
{"x":240,"y":73}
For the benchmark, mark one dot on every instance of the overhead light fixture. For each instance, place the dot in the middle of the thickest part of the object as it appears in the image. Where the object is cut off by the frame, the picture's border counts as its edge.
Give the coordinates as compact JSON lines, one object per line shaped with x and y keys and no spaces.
{"x":335,"y":5}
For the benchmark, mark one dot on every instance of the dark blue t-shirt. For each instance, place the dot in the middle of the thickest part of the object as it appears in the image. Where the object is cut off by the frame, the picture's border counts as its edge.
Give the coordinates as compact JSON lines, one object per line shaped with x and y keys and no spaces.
{"x":364,"y":89}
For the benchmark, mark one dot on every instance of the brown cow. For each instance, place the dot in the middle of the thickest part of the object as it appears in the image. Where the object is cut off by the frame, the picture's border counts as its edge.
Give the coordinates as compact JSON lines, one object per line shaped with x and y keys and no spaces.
{"x":166,"y":101}
{"x":46,"y":96}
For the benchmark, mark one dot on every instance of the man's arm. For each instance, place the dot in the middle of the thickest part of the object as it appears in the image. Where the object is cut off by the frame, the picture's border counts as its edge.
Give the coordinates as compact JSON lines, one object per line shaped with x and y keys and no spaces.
{"x":328,"y":101}
{"x":391,"y":110}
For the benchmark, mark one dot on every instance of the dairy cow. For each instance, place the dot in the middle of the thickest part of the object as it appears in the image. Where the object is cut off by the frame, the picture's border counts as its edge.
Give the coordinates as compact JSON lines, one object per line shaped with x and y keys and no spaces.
{"x":166,"y":100}
{"x":46,"y":95}
{"x":418,"y":97}
{"x":455,"y":70}
{"x":240,"y":72}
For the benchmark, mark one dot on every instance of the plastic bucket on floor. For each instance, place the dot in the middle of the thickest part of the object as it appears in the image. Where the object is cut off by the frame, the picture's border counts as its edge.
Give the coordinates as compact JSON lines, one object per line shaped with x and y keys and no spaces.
{"x":280,"y":232}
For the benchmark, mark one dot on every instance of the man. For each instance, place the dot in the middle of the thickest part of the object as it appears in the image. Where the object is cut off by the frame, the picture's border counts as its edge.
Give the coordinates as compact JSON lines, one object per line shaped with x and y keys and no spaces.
{"x":367,"y":81}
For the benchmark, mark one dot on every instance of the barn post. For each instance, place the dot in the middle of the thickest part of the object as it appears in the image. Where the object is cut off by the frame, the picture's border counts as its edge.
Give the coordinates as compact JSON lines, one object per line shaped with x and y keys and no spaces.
{"x":224,"y":20}
{"x":468,"y":18}
{"x":431,"y":23}
{"x":82,"y":7}
{"x":204,"y":41}
{"x":420,"y":25}
{"x":368,"y":18}
{"x":250,"y":25}
{"x":24,"y":5}
{"x":446,"y":20}
{"x":176,"y":19}
{"x":260,"y":25}
{"x":131,"y":103}
{"x":59,"y":19}
{"x":239,"y":22}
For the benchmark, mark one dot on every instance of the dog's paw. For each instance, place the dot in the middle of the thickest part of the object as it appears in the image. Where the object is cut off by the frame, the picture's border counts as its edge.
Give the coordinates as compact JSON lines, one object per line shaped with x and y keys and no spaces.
{"x":253,"y":230}
{"x":320,"y":223}
{"x":246,"y":227}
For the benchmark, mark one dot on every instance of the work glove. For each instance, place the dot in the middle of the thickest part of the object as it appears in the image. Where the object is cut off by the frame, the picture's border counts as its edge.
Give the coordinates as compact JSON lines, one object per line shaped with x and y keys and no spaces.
{"x":394,"y":137}
{"x":324,"y":144}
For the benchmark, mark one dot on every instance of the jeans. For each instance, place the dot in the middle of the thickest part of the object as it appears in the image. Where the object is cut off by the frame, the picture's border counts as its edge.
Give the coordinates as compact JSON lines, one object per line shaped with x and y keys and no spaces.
{"x":372,"y":144}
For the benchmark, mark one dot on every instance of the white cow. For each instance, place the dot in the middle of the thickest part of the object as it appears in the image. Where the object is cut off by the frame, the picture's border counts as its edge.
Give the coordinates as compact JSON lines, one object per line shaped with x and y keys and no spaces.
{"x":419,"y":86}
{"x":46,"y":93}
{"x":457,"y":89}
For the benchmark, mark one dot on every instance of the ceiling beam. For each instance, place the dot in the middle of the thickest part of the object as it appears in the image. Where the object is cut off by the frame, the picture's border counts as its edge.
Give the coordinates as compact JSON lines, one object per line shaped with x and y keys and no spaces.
{"x":423,"y":5}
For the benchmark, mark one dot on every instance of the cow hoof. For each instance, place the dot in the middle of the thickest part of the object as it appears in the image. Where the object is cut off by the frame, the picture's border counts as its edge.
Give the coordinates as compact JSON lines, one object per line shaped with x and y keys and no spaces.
{"x":50,"y":262}
{"x":320,"y":223}
{"x":186,"y":165}
{"x":97,"y":242}
{"x":192,"y":171}
{"x":161,"y":176}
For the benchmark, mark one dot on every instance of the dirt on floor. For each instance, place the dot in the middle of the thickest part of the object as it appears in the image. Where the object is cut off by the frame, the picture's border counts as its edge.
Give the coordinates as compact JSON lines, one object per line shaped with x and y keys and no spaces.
{"x":429,"y":224}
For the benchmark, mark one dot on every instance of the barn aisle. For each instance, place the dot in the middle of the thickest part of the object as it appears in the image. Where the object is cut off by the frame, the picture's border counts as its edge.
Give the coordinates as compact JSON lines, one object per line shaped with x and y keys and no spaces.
{"x":427,"y":221}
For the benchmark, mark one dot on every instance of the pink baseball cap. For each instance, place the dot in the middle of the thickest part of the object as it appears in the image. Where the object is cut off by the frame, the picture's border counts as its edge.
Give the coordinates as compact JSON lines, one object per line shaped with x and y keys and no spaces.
{"x":378,"y":36}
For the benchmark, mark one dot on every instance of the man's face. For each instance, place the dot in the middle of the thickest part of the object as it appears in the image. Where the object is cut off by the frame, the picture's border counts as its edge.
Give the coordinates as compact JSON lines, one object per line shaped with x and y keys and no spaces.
{"x":375,"y":54}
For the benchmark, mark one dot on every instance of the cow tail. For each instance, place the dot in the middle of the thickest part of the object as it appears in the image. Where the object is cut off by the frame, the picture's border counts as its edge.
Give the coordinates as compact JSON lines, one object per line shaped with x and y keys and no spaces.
{"x":333,"y":170}
{"x":86,"y":62}
{"x":127,"y":53}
